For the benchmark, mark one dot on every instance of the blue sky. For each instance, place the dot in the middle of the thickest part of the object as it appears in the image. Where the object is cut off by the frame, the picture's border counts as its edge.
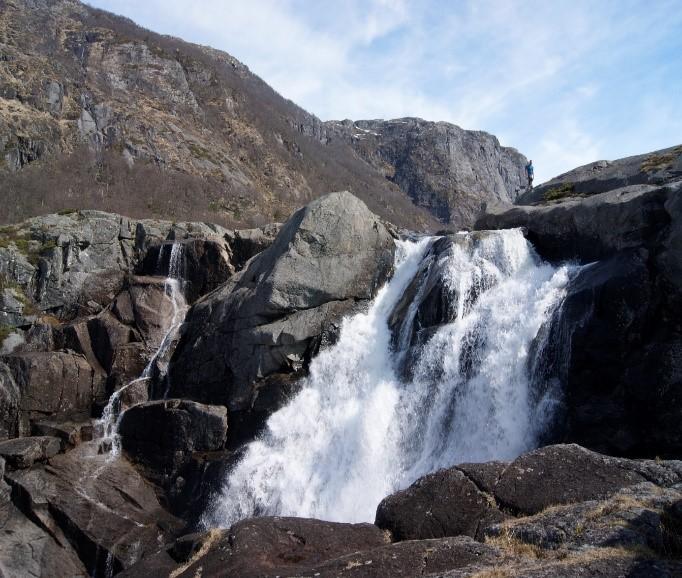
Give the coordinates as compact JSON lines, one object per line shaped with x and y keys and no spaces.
{"x":565,"y":82}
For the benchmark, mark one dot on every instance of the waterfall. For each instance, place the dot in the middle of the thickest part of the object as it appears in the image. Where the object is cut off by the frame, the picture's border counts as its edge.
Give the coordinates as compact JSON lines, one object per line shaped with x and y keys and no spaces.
{"x":361,"y":427}
{"x":173,"y":288}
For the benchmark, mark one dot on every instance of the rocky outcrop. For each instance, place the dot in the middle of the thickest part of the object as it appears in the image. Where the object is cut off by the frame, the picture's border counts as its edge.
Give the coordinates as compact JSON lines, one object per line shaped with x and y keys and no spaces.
{"x":100,"y":508}
{"x":270,"y":317}
{"x":558,"y":511}
{"x":655,"y":168}
{"x":162,"y":435}
{"x":618,"y":328}
{"x":592,"y":228}
{"x":467,"y":499}
{"x":30,"y":550}
{"x":453,"y":172}
{"x":291,"y":546}
{"x":52,"y":384}
{"x":23,"y":452}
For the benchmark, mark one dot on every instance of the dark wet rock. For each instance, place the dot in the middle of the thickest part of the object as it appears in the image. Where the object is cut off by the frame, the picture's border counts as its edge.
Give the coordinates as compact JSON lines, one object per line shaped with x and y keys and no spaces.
{"x":445,"y":503}
{"x":561,"y":474}
{"x":53,"y":384}
{"x":23,"y":452}
{"x":655,"y":168}
{"x":617,"y":341}
{"x":162,"y":435}
{"x":410,"y":558}
{"x":430,"y":300}
{"x":10,"y":396}
{"x":247,"y":243}
{"x":262,"y":547}
{"x":202,"y":264}
{"x":110,"y":515}
{"x":269,"y":317}
{"x":32,"y":551}
{"x":71,"y":433}
{"x":618,"y":368}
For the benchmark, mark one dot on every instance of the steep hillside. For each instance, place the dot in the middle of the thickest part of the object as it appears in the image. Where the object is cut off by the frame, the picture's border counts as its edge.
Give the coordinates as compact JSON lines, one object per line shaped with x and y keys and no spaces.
{"x":96,"y":112}
{"x":655,"y":168}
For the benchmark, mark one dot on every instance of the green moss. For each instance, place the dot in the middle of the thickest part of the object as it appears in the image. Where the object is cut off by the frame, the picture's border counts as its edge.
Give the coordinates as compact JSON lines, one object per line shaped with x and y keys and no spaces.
{"x":29,"y":307}
{"x":559,"y":192}
{"x":5,"y":331}
{"x":64,"y":212}
{"x":10,"y":235}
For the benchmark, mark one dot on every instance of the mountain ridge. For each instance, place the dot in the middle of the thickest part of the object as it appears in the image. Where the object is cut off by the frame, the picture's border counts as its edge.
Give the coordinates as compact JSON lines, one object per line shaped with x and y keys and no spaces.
{"x":99,"y":113}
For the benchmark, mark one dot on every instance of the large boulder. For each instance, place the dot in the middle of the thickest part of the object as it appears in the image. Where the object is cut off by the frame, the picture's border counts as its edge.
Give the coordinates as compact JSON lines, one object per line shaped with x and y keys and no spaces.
{"x":468,"y":498}
{"x":445,"y":503}
{"x":53,"y":384}
{"x":561,"y":474}
{"x":270,"y":317}
{"x":162,"y":435}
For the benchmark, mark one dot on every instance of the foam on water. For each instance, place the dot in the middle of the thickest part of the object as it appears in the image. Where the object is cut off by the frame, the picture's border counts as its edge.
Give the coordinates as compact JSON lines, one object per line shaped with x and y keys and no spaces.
{"x":111,"y":416}
{"x":357,"y":431}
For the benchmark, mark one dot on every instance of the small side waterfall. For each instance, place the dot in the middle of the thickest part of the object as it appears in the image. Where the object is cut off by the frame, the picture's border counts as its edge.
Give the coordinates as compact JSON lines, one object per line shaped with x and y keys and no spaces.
{"x":363,"y":427}
{"x":173,"y":287}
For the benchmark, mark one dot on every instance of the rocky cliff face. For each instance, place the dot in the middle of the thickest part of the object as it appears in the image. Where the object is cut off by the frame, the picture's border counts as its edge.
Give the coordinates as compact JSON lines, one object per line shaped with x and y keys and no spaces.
{"x":619,"y":332}
{"x":268,"y":299}
{"x":451,"y":171}
{"x":98,"y":113}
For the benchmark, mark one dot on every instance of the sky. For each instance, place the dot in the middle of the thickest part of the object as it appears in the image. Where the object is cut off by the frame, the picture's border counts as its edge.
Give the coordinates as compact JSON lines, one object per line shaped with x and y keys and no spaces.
{"x":564,"y":82}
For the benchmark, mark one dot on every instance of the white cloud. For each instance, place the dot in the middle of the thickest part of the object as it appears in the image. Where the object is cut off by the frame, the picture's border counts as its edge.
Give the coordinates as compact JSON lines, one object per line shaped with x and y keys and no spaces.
{"x":555,"y":78}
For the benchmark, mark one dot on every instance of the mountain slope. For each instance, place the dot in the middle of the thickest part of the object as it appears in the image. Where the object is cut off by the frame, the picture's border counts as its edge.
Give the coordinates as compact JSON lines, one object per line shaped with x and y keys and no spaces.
{"x":96,"y":112}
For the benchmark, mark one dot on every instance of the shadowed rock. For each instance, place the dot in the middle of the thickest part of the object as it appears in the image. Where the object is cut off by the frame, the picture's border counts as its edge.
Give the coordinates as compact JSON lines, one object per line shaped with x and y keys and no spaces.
{"x":161,"y":435}
{"x":23,"y":452}
{"x":445,"y":503}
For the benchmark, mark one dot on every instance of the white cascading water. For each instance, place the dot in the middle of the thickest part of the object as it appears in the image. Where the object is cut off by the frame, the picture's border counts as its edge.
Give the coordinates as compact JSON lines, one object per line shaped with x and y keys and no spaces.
{"x":111,"y":416}
{"x":357,"y":432}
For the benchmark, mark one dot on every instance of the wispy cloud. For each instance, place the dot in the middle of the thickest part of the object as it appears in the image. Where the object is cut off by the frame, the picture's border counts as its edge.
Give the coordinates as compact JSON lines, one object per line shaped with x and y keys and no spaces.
{"x":566,"y":82}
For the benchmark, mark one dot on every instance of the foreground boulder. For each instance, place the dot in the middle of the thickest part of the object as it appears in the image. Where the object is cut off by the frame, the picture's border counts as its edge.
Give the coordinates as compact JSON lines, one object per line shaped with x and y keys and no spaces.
{"x":270,"y":317}
{"x":466,"y":499}
{"x":301,"y":547}
{"x":445,"y":503}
